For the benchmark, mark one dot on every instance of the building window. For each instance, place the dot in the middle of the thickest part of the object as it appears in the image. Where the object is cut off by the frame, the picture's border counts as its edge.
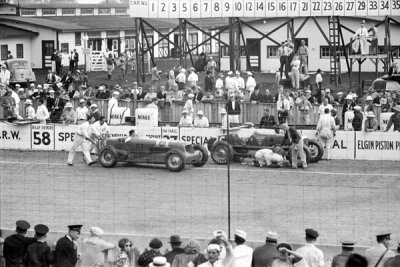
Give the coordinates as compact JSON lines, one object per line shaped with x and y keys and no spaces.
{"x":120,"y":11}
{"x":325,"y":52}
{"x":20,"y":51}
{"x":4,"y":52}
{"x":224,"y":51}
{"x":78,"y":39}
{"x":28,"y":11}
{"x":68,"y":11}
{"x":65,"y":48}
{"x":272,"y":51}
{"x":49,"y":12}
{"x":193,"y":42}
{"x":87,"y":11}
{"x":104,"y":11}
{"x":163,"y":48}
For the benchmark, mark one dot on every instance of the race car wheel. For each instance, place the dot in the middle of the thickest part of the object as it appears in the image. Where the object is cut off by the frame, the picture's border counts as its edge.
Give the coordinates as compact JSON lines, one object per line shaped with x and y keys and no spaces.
{"x":108,"y":158}
{"x":204,"y":155}
{"x":220,"y":152}
{"x":175,"y":161}
{"x":316,"y":150}
{"x":306,"y":151}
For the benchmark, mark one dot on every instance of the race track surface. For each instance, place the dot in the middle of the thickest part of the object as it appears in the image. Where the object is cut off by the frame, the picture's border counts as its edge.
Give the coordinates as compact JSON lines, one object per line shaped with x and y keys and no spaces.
{"x":339,"y":198}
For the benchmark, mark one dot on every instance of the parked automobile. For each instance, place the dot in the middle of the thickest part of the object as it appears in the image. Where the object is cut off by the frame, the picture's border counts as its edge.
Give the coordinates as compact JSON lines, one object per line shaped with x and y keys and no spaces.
{"x":239,"y":148}
{"x":174,"y":154}
{"x":385,"y":84}
{"x":21,"y":71}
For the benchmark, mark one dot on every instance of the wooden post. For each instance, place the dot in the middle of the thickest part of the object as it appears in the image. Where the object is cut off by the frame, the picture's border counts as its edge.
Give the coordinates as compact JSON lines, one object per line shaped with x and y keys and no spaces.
{"x":231,"y":45}
{"x":137,"y":55}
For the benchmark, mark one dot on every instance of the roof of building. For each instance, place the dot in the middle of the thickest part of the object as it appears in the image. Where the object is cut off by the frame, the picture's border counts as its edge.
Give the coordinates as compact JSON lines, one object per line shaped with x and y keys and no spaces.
{"x":68,"y":5}
{"x":42,"y":22}
{"x":7,"y":31}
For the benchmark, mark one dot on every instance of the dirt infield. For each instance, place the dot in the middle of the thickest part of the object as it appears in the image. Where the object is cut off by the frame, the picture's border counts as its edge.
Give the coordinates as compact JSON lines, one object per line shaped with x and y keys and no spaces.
{"x":339,"y":198}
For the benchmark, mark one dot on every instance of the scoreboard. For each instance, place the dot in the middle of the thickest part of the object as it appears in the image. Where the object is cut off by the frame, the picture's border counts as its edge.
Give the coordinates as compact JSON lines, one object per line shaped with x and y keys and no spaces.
{"x":261,"y":8}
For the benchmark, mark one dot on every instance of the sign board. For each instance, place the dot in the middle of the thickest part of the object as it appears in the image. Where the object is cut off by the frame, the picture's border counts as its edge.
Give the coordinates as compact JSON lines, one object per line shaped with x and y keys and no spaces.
{"x":198,"y":136}
{"x":384,"y":119}
{"x":64,"y":136}
{"x":170,"y":133}
{"x":42,"y":137}
{"x":377,"y":145}
{"x":118,"y":114}
{"x":146,"y":117}
{"x":261,"y":8}
{"x":15,"y":137}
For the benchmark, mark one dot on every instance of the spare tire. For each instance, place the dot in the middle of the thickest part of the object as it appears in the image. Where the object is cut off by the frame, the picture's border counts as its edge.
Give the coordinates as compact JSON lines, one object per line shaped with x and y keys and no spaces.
{"x":316,"y":150}
{"x":221,"y":152}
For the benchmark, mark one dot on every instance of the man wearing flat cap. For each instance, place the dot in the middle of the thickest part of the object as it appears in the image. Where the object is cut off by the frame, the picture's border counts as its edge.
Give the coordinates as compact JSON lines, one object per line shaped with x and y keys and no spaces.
{"x":243,"y":254}
{"x":66,"y":252}
{"x":266,"y":254}
{"x":340,"y":260}
{"x":149,"y":254}
{"x":380,"y":253}
{"x":39,"y":253}
{"x":175,"y":241}
{"x":15,"y":246}
{"x":312,"y":256}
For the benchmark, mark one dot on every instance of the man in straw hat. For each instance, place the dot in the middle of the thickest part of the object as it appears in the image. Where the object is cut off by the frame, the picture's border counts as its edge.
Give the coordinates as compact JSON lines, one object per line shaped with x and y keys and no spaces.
{"x":267,"y":253}
{"x":370,"y":124}
{"x":186,"y":120}
{"x":243,"y":254}
{"x":360,"y":39}
{"x":95,"y":246}
{"x":30,"y":113}
{"x":201,"y":120}
{"x":347,"y":249}
{"x":394,"y":119}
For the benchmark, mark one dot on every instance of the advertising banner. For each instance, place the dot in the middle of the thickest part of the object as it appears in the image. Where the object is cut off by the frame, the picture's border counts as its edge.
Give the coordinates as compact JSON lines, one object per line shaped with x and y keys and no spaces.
{"x":146,"y":117}
{"x":171,"y":133}
{"x":15,"y":136}
{"x":64,"y":136}
{"x":118,"y":114}
{"x":377,"y":145}
{"x":198,"y":136}
{"x":42,"y":137}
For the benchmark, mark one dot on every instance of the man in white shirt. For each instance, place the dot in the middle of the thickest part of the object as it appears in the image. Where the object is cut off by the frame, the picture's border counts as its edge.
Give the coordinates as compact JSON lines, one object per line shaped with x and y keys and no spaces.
{"x":251,"y":82}
{"x":321,"y":109}
{"x":83,"y":140}
{"x":150,"y":94}
{"x":42,"y":113}
{"x":239,"y":81}
{"x":5,"y":75}
{"x":153,"y":103}
{"x":14,"y":94}
{"x":201,"y":120}
{"x":219,"y":83}
{"x":224,"y":123}
{"x":112,"y":103}
{"x":361,"y":39}
{"x":192,"y":78}
{"x":283,"y":107}
{"x":325,"y":132}
{"x":381,"y":249}
{"x":185,"y":121}
{"x":312,"y":256}
{"x":29,"y":110}
{"x":267,"y":157}
{"x":213,"y":252}
{"x":81,"y":111}
{"x":100,"y":127}
{"x":243,"y":255}
{"x":181,"y":79}
{"x":230,"y":83}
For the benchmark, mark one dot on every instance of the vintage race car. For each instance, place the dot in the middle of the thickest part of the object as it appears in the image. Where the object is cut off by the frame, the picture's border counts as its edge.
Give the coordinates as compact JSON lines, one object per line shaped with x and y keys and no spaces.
{"x":174,"y":154}
{"x":21,"y":71}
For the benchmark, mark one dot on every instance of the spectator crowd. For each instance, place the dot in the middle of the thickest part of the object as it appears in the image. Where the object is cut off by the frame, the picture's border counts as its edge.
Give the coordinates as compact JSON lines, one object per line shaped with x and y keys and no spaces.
{"x":20,"y":250}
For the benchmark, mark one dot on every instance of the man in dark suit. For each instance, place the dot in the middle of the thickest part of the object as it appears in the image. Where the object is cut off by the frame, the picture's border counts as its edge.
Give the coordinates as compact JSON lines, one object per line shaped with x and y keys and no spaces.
{"x":50,"y":77}
{"x":268,"y":120}
{"x":266,"y":254}
{"x":175,"y":241}
{"x":209,"y":82}
{"x":15,"y":246}
{"x":66,"y":250}
{"x":297,"y":144}
{"x":198,"y":95}
{"x":39,"y":253}
{"x":233,"y":109}
{"x":57,"y":108}
{"x":256,"y":97}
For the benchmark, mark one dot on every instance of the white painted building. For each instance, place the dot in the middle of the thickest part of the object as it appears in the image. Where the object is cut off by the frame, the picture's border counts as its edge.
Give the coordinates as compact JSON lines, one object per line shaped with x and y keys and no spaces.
{"x":266,"y":50}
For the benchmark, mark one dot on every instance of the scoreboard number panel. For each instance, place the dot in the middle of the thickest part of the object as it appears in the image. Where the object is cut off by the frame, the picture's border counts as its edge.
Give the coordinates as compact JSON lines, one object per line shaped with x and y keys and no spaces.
{"x":153,"y":8}
{"x":316,"y":8}
{"x":384,"y":7}
{"x":305,"y":8}
{"x":270,"y":8}
{"x":238,"y":8}
{"x":163,"y":9}
{"x":195,"y":9}
{"x":249,"y":8}
{"x":206,"y":8}
{"x":361,"y":8}
{"x":350,"y":8}
{"x":282,"y":8}
{"x":293,"y":8}
{"x":260,"y":9}
{"x":227,"y":8}
{"x":327,"y":7}
{"x":184,"y":8}
{"x":217,"y":8}
{"x":373,"y":7}
{"x":338,"y":7}
{"x":174,"y":10}
{"x":395,"y":11}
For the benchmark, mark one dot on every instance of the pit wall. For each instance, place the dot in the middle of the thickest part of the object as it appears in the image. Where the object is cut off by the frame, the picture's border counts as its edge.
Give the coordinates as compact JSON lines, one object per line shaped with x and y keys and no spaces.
{"x":58,"y":137}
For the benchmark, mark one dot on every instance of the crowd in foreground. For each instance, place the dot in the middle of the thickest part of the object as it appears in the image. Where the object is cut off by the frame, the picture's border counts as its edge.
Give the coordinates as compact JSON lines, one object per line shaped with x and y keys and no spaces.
{"x":20,"y":250}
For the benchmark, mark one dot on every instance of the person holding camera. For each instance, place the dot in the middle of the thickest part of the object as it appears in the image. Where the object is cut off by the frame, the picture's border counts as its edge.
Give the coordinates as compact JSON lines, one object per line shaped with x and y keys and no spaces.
{"x":287,"y":257}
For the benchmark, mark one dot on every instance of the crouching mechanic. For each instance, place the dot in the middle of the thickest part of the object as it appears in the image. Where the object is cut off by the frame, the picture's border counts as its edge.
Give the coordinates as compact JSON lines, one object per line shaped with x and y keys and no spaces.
{"x":270,"y":158}
{"x":83,"y":140}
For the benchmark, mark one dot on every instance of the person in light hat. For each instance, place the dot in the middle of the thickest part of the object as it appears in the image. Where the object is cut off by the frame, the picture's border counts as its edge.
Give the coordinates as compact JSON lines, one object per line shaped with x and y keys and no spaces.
{"x":287,"y":257}
{"x":211,"y":66}
{"x":224,"y":123}
{"x":243,"y":254}
{"x":267,"y":253}
{"x":339,"y":98}
{"x":251,"y":82}
{"x":95,"y":246}
{"x":394,"y":120}
{"x":380,"y":253}
{"x":66,"y":252}
{"x":369,"y":105}
{"x":312,"y":256}
{"x":15,"y":245}
{"x":219,"y":86}
{"x":94,"y":112}
{"x":159,"y":262}
{"x":189,"y":105}
{"x":30,"y":113}
{"x":69,"y":115}
{"x":181,"y":79}
{"x":213,"y":253}
{"x":239,"y":81}
{"x":347,"y":250}
{"x":370,"y":124}
{"x":200,"y":120}
{"x":297,"y":143}
{"x":5,"y":75}
{"x":81,"y":111}
{"x":348,"y":105}
{"x":230,"y":83}
{"x":360,"y":40}
{"x":186,"y":120}
{"x":193,"y":78}
{"x":42,"y":113}
{"x":269,"y":157}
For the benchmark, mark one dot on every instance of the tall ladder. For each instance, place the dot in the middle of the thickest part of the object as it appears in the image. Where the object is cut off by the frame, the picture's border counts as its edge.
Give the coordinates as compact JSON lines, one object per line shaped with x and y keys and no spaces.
{"x":334,"y":40}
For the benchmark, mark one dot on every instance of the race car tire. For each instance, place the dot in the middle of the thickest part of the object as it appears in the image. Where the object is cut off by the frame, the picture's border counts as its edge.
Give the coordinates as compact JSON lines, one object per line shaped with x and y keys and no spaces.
{"x":220,"y":151}
{"x":175,"y":161}
{"x":306,"y":151}
{"x":316,"y":150}
{"x":108,"y":158}
{"x":204,"y":155}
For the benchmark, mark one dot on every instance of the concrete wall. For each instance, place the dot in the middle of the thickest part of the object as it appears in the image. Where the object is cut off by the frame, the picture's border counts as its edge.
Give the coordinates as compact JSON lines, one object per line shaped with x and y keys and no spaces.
{"x":315,"y":40}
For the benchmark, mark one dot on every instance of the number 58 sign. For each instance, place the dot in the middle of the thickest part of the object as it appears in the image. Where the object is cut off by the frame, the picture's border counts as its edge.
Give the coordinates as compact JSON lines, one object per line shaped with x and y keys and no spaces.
{"x":42,"y":137}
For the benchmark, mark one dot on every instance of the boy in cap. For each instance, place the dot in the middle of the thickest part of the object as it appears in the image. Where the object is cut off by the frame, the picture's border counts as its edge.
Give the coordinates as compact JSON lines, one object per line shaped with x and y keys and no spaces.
{"x":341,"y":259}
{"x":39,"y":253}
{"x":380,"y":253}
{"x":66,"y":253}
{"x":15,"y":245}
{"x":243,"y":254}
{"x":312,"y":256}
{"x":175,"y":241}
